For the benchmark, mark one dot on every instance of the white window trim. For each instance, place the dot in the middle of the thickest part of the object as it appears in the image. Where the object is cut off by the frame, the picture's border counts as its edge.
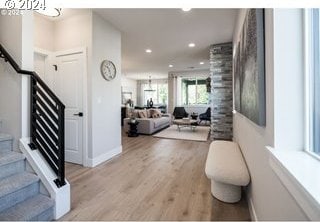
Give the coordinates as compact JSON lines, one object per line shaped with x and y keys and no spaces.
{"x":307,"y":68}
{"x":301,"y":180}
{"x":299,"y":171}
{"x":308,"y":78}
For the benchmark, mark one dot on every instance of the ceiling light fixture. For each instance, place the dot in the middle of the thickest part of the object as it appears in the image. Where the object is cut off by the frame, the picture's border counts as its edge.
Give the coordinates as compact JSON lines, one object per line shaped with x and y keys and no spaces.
{"x":191,"y":45}
{"x":150,"y":86}
{"x":148,"y":50}
{"x":186,"y":9}
{"x":170,"y":66}
{"x":51,"y":12}
{"x":201,"y":63}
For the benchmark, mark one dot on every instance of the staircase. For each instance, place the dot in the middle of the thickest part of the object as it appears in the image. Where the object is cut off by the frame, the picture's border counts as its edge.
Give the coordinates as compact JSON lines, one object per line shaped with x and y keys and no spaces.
{"x":20,"y":197}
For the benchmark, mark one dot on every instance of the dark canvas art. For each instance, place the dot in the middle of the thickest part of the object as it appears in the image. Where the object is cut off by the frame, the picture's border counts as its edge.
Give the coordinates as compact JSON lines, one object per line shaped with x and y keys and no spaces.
{"x":249,"y":70}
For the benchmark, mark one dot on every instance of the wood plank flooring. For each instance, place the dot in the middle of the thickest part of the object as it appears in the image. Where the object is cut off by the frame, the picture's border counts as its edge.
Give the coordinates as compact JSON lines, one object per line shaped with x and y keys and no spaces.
{"x":153,"y":179}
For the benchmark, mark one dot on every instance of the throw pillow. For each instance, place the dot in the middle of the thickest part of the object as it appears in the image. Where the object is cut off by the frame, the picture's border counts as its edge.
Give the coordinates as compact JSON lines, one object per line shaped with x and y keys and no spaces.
{"x":136,"y":113}
{"x":155,"y":113}
{"x":142,"y":114}
{"x":149,"y":113}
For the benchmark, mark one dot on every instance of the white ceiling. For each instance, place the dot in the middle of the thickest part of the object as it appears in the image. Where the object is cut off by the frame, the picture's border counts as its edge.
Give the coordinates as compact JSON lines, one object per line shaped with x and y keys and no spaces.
{"x":168,"y":32}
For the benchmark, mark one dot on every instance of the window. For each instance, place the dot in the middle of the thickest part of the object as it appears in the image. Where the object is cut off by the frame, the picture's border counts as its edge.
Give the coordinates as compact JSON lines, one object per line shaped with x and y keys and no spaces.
{"x":194,"y":91}
{"x":313,"y":81}
{"x":159,"y":95}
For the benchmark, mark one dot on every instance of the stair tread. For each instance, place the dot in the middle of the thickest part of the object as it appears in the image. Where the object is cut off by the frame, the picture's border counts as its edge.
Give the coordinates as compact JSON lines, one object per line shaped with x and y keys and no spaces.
{"x":17,"y":181}
{"x":27,"y":209}
{"x":5,"y":137}
{"x":10,"y":157}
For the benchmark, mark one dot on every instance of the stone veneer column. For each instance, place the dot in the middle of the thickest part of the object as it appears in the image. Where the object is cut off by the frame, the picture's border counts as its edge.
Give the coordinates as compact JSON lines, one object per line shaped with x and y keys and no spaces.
{"x":221,"y":91}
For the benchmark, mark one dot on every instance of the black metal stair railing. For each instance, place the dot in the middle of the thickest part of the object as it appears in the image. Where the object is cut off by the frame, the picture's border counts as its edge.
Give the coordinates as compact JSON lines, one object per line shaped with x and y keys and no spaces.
{"x":46,"y":120}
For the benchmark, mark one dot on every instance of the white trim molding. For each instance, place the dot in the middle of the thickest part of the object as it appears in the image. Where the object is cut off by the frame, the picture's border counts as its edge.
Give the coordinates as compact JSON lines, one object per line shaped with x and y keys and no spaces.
{"x":61,"y":195}
{"x":299,"y":172}
{"x":252,"y":210}
{"x":104,"y":157}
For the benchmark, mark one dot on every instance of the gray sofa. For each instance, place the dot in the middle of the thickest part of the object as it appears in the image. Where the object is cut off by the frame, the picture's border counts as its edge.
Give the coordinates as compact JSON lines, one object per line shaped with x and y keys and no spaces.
{"x":150,"y":125}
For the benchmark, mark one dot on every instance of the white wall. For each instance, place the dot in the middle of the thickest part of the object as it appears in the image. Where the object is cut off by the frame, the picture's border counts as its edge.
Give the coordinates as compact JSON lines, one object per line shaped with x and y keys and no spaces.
{"x":289,"y":100}
{"x":73,"y":32}
{"x":13,"y":87}
{"x":270,"y":199}
{"x":43,"y":33}
{"x":105,"y":98}
{"x":129,"y":85}
{"x":63,"y":34}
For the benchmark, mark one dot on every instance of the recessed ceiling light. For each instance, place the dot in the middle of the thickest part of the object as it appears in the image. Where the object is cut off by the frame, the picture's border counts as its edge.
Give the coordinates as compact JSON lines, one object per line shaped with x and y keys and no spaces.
{"x":148,"y":50}
{"x":201,"y":63}
{"x":170,"y":66}
{"x":186,"y":9}
{"x":191,"y":45}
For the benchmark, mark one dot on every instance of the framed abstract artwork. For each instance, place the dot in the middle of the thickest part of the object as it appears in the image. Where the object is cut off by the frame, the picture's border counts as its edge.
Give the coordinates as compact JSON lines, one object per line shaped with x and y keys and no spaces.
{"x":249,"y":69}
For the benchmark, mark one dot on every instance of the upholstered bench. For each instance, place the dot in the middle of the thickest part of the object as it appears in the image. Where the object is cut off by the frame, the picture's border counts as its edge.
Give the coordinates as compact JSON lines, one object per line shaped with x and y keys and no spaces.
{"x":227,"y":170}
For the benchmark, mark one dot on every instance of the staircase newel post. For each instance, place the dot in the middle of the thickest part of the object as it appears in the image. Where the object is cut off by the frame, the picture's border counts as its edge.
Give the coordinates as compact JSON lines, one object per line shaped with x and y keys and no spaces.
{"x":61,"y":171}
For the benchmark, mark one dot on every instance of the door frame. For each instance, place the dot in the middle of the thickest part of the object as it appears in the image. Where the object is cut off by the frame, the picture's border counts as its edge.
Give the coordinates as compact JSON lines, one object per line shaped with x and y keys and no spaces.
{"x":79,"y":50}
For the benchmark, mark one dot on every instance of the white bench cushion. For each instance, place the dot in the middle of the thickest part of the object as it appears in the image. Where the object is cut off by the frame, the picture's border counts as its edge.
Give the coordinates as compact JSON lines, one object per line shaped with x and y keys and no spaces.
{"x":225,"y":164}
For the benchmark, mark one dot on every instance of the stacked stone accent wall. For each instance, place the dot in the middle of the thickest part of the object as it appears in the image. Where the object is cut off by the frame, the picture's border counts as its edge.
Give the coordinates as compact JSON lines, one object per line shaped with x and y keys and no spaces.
{"x":221,"y":91}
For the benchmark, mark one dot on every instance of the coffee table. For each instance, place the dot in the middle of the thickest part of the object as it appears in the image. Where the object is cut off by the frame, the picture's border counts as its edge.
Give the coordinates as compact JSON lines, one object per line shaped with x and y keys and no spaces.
{"x":181,"y":123}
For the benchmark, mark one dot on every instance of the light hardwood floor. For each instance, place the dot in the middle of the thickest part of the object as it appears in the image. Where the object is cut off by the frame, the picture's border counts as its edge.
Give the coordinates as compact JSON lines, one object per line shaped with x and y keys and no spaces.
{"x":153,"y":179}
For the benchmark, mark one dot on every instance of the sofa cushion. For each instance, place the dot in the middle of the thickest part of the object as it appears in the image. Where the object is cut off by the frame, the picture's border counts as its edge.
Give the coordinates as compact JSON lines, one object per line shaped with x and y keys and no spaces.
{"x":158,"y":122}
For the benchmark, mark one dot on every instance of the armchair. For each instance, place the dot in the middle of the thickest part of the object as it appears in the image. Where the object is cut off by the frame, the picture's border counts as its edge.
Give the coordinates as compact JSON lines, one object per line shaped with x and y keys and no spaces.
{"x":205,"y":116}
{"x":180,"y":112}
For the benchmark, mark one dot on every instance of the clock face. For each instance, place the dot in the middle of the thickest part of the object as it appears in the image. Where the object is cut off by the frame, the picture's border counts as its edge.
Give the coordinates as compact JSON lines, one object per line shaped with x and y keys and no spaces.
{"x":108,"y":70}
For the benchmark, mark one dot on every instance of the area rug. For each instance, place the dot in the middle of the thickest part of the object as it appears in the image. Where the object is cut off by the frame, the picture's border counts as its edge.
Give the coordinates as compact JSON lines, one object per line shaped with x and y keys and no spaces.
{"x":200,"y":134}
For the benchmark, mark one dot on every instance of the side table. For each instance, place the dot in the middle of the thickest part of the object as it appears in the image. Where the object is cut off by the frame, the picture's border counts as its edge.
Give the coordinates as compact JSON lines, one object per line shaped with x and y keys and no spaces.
{"x":133,"y":131}
{"x":194,"y":116}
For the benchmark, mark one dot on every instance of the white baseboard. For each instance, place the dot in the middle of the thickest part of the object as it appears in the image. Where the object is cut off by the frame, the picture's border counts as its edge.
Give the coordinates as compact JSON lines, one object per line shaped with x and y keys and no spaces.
{"x":252,"y":210}
{"x":104,"y":157}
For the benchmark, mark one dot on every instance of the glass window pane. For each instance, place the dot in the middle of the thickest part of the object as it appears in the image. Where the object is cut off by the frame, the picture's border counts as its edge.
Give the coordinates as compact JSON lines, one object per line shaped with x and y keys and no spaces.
{"x":194,"y":91}
{"x":203,"y":96}
{"x":191,"y":91}
{"x":163,"y":93}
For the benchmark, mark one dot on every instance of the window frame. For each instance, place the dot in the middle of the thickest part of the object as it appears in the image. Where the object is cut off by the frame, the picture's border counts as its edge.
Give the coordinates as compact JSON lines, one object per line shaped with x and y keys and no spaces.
{"x":196,"y":92}
{"x":309,"y":77}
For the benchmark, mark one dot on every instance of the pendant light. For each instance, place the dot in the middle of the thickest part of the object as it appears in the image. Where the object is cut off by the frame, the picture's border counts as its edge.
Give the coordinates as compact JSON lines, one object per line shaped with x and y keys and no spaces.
{"x":150,"y":87}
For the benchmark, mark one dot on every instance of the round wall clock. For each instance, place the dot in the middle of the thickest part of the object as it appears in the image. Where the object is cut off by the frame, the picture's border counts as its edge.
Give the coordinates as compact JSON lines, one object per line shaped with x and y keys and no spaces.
{"x":108,"y":70}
